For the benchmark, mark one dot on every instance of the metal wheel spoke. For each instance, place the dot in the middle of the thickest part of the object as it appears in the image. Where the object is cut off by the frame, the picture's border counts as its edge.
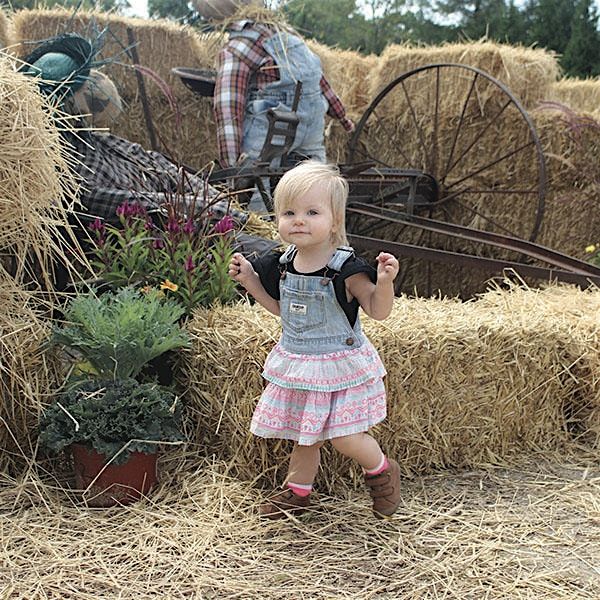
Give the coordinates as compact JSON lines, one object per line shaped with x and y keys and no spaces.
{"x":419,"y":130}
{"x":476,"y":139}
{"x":488,"y":219}
{"x":460,"y":122}
{"x":365,"y":154}
{"x":436,"y":122}
{"x":393,"y":140}
{"x":492,"y":164}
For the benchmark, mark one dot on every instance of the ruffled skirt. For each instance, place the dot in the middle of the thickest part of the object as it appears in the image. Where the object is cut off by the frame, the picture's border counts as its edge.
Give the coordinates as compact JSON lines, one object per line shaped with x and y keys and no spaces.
{"x":311,"y":398}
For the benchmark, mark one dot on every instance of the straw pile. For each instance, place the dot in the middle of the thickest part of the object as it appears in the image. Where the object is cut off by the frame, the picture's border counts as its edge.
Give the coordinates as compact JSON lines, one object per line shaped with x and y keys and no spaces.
{"x":467,"y":382}
{"x":526,"y":71}
{"x":35,"y":183}
{"x":571,"y":143}
{"x":582,"y":95}
{"x":186,"y":133}
{"x":529,"y":531}
{"x":6,"y":31}
{"x":28,"y":375}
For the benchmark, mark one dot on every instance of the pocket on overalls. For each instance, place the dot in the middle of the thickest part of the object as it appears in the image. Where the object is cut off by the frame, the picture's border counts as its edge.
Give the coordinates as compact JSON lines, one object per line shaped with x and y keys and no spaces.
{"x":302,"y":312}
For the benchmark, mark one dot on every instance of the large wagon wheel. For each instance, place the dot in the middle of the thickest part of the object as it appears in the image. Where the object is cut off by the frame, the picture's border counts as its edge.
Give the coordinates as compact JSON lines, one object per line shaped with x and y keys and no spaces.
{"x":466,"y":132}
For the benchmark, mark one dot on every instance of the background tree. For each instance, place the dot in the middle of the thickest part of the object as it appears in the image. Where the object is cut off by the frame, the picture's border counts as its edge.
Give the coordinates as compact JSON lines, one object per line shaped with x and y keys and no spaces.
{"x":177,"y":10}
{"x":582,"y":54}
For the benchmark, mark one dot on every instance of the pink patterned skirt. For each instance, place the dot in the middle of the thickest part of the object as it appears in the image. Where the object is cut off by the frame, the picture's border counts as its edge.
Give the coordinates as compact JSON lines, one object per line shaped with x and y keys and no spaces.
{"x":311,"y":398}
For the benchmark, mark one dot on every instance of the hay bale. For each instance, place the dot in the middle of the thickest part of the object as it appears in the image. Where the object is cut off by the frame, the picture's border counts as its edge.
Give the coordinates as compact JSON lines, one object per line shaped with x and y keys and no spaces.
{"x":35,"y":182}
{"x":582,"y":95}
{"x":526,"y":71}
{"x":348,"y":73}
{"x":468,"y":383}
{"x":29,"y":376}
{"x":6,"y":30}
{"x":161,"y":44}
{"x":571,"y":143}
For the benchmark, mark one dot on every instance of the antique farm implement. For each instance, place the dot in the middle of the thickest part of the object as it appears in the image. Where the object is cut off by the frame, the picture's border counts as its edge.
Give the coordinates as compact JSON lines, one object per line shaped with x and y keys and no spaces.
{"x":445,"y":166}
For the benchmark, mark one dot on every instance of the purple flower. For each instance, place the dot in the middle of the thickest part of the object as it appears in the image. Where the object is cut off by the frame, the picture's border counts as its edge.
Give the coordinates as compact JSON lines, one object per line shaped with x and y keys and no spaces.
{"x":97,"y":225}
{"x":123,"y":209}
{"x":158,"y":244}
{"x":189,"y":228}
{"x":172,"y":226}
{"x":189,"y":264}
{"x":149,"y":225}
{"x":224,"y":225}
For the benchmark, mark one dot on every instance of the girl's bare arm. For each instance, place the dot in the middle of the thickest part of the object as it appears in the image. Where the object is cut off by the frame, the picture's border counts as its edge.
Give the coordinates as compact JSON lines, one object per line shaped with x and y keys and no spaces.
{"x":376,"y":299}
{"x":241,"y":270}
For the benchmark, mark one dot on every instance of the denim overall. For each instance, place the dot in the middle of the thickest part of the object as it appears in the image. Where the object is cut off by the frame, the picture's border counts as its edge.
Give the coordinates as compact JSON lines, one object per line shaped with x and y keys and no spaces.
{"x":296,"y":63}
{"x":312,"y":320}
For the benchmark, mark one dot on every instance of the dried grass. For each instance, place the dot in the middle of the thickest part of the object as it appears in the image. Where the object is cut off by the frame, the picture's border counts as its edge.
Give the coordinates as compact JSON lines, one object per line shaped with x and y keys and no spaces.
{"x":582,"y":95}
{"x":526,"y":71}
{"x":571,"y":143}
{"x":467,"y":382}
{"x":6,"y":29}
{"x":161,"y":44}
{"x":36,"y":186}
{"x":29,"y":376}
{"x":524,"y":531}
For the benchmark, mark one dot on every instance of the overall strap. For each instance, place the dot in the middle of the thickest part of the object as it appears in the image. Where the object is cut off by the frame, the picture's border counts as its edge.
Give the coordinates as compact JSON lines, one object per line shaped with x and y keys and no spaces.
{"x":288,"y":255}
{"x":338,"y":260}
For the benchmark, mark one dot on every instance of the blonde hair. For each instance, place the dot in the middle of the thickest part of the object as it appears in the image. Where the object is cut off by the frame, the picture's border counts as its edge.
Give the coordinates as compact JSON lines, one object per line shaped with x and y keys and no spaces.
{"x":300,"y":179}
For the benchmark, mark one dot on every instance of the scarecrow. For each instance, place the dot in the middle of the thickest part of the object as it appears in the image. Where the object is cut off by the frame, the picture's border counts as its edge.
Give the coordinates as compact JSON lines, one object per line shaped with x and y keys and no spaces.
{"x":266,"y":65}
{"x":112,"y":170}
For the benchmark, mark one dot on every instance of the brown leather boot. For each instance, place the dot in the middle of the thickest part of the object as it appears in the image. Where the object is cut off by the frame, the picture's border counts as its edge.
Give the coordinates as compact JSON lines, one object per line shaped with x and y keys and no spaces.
{"x":283,"y":504}
{"x":385,"y":489}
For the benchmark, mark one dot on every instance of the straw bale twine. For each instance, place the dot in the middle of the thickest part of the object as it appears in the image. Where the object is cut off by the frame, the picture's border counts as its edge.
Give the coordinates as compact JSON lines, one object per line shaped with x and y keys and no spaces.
{"x":29,"y":376}
{"x":526,"y":71}
{"x":467,"y":382}
{"x":583,"y":95}
{"x":36,"y":185}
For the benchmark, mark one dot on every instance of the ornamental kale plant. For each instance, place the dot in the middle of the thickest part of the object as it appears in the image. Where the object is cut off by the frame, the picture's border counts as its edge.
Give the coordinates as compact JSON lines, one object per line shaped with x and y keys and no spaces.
{"x":117,"y":333}
{"x":111,"y":415}
{"x":185,"y":256}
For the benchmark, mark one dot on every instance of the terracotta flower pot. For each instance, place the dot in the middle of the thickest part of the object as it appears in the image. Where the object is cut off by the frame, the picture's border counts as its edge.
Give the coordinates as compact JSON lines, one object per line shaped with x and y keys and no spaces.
{"x":114,"y":484}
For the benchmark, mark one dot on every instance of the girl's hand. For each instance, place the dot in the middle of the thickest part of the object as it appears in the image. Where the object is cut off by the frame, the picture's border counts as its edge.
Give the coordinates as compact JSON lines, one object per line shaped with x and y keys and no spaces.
{"x":240,"y":269}
{"x":387,"y":267}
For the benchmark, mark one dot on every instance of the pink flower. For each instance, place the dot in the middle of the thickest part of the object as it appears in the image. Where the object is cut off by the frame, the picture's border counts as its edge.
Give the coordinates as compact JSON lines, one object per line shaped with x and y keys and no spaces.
{"x":173,"y":226}
{"x":189,"y":228}
{"x":224,"y":225}
{"x":189,"y":264}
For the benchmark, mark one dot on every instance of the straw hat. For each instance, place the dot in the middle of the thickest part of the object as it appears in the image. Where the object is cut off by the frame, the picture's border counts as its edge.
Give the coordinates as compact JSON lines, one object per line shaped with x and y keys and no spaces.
{"x":220,"y":9}
{"x":99,"y":98}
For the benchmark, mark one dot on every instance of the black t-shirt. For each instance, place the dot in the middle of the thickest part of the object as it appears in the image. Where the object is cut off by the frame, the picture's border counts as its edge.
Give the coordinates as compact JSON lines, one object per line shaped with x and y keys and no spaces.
{"x":268,"y":269}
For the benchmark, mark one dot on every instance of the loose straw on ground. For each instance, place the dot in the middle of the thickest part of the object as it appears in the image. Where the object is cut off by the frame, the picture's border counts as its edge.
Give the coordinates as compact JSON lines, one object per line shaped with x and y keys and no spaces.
{"x":523,"y":531}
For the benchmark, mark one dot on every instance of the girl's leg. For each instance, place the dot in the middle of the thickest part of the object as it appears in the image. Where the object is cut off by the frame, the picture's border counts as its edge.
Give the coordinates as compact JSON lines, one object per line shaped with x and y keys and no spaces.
{"x":304,"y":464}
{"x":361,"y":447}
{"x":382,"y":475}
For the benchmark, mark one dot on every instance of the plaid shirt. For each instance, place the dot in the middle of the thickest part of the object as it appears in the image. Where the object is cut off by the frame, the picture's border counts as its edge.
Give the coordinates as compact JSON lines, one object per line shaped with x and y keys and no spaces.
{"x":114,"y":170}
{"x":239,"y":60}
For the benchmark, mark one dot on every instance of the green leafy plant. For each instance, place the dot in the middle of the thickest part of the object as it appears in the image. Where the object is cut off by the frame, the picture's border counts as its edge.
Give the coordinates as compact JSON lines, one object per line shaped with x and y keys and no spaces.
{"x":186,"y":256}
{"x":117,"y":333}
{"x":114,"y":418}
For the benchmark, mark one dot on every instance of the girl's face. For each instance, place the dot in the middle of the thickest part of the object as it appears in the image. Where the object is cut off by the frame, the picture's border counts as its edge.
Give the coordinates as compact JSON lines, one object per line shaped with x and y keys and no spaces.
{"x":308,"y":221}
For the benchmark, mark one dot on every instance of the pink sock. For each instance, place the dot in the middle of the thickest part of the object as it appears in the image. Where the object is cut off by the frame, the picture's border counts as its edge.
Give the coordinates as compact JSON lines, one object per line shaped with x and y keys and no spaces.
{"x":300,"y":489}
{"x":380,"y":468}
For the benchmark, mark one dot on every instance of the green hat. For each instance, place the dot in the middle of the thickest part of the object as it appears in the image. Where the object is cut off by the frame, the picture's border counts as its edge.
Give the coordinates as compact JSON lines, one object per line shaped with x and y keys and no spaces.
{"x":62,"y":63}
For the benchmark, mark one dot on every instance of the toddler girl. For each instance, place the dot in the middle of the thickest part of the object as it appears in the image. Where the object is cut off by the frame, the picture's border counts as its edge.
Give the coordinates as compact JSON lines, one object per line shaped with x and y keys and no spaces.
{"x":325,"y":379}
